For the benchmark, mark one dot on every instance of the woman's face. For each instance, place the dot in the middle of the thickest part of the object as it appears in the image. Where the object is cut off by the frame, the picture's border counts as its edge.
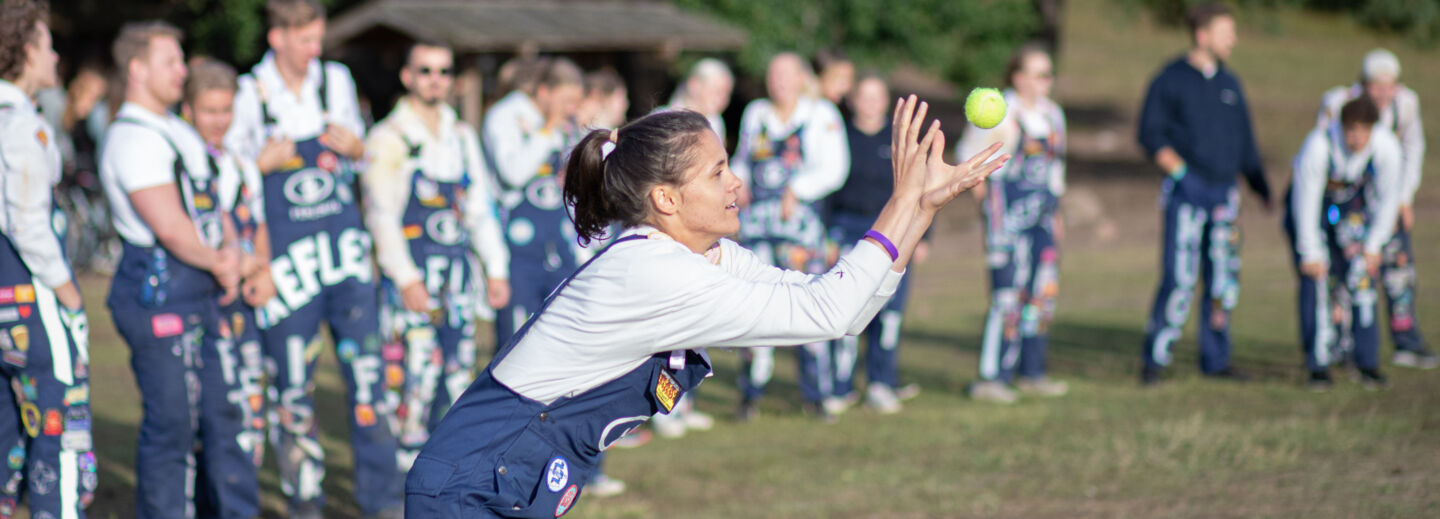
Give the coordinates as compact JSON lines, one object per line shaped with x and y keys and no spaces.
{"x":1035,"y":77}
{"x":709,"y":196}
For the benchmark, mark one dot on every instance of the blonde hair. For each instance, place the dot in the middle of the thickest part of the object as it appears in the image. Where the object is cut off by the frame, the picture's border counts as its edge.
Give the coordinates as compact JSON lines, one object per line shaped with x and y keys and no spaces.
{"x":134,"y":42}
{"x":286,"y":14}
{"x":208,"y":74}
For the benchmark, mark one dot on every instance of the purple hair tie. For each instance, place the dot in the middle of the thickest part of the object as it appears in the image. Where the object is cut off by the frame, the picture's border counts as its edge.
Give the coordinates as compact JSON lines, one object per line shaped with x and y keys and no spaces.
{"x":884,"y":242}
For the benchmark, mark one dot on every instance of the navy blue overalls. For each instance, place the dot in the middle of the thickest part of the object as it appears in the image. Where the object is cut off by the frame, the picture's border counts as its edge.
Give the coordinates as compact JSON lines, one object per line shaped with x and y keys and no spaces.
{"x":1201,"y":240}
{"x":500,"y":454}
{"x":795,"y":244}
{"x":323,"y":273}
{"x":238,"y":357}
{"x":541,"y":240}
{"x":1019,"y":211}
{"x":45,"y":428}
{"x":1328,"y":326}
{"x":430,"y":358}
{"x":1397,"y":273}
{"x":169,"y":315}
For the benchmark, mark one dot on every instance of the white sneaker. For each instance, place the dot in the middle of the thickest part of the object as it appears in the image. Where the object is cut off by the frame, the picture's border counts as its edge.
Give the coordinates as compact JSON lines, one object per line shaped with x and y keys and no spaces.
{"x":1042,"y":386}
{"x":837,"y":405}
{"x":1416,"y":360}
{"x":697,"y":420}
{"x":605,"y":486}
{"x":907,"y":392}
{"x":669,"y":426}
{"x":992,"y":391}
{"x":882,"y":399}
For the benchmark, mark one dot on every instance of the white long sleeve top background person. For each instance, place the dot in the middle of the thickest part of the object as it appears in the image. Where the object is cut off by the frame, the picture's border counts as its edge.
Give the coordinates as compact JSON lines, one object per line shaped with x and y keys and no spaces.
{"x":1401,"y":117}
{"x":513,"y":136}
{"x":443,"y":157}
{"x":826,"y":160}
{"x":297,"y":117}
{"x":1045,"y":119}
{"x":1323,"y":147}
{"x":29,"y":170}
{"x":654,"y":295}
{"x":137,"y":157}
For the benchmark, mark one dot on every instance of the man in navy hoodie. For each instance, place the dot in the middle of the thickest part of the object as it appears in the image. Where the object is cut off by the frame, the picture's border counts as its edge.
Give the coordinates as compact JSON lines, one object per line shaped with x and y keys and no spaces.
{"x":1195,"y":125}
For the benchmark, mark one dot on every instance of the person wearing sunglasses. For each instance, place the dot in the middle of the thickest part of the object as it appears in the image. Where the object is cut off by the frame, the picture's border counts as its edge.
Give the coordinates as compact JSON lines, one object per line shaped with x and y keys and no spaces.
{"x":298,"y":118}
{"x":1022,"y":225}
{"x":431,"y":215}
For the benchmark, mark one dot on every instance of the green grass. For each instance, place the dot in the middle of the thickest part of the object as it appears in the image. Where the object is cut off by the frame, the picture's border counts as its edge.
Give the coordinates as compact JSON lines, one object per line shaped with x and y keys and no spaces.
{"x":1191,"y":448}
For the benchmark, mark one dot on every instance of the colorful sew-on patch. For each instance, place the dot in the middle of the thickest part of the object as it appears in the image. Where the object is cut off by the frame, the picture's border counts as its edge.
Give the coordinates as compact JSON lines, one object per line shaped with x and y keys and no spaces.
{"x":166,"y":325}
{"x":364,"y":415}
{"x":327,"y":161}
{"x":77,"y":395}
{"x":203,"y":201}
{"x":53,"y":424}
{"x":567,"y":500}
{"x":24,"y":293}
{"x":666,"y":391}
{"x":16,"y":457}
{"x":30,"y":418}
{"x":42,"y":137}
{"x":7,"y":295}
{"x":557,"y":474}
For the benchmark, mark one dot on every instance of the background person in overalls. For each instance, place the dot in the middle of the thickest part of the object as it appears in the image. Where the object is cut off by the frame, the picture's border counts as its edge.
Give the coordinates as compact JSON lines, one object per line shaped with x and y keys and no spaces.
{"x":525,"y":140}
{"x":430,"y":212}
{"x":1195,"y":125}
{"x":790,"y":153}
{"x":853,"y":208}
{"x":298,"y":118}
{"x":1342,"y":209}
{"x":208,"y":104}
{"x":179,"y":266}
{"x":1399,"y":109}
{"x":43,"y":330}
{"x":1022,"y":229}
{"x":624,"y":337}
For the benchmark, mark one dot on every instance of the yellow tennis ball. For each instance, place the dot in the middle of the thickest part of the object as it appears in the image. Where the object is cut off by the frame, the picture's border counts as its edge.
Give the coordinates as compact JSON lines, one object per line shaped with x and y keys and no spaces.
{"x":985,"y":107}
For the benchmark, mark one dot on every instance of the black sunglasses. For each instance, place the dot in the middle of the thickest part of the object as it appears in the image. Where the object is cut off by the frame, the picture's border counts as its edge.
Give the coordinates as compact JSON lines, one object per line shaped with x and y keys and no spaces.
{"x":425,"y":71}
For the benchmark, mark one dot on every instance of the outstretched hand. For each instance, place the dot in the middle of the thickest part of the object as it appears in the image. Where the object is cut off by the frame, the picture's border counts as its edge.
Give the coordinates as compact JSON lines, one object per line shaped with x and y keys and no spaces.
{"x":920,"y":168}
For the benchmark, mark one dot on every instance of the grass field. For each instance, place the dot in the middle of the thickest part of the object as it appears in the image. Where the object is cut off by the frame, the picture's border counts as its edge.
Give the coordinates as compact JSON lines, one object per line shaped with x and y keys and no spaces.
{"x":1191,"y":448}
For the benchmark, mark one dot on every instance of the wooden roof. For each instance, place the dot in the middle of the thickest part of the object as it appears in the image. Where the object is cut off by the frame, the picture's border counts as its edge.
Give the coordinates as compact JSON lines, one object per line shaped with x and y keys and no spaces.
{"x":540,"y":25}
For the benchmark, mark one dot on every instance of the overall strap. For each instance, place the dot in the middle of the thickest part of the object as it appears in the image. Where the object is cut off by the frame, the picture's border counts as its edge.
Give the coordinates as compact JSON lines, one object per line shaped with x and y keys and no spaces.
{"x":505,"y":351}
{"x":179,"y":167}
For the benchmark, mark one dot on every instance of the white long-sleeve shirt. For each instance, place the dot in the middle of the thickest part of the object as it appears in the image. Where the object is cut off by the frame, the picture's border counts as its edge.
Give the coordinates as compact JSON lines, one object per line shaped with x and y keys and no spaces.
{"x":514,"y":139}
{"x":138,"y":156}
{"x":234,"y":172}
{"x":297,"y":117}
{"x":1325,"y":147}
{"x":826,"y":152}
{"x":1401,"y":117}
{"x":655,"y":295}
{"x":29,"y":171}
{"x":1045,"y":119}
{"x":446,"y":157}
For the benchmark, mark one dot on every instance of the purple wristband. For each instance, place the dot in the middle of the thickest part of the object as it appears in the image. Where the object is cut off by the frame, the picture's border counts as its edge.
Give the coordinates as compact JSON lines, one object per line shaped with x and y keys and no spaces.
{"x":884,"y":242}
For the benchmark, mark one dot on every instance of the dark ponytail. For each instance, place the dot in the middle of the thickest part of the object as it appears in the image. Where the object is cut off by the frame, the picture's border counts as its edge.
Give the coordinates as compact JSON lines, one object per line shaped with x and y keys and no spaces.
{"x":604,"y":189}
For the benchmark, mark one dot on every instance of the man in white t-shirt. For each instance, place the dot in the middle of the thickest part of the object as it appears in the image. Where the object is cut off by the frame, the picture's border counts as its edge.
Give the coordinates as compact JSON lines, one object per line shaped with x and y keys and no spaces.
{"x":178,"y":267}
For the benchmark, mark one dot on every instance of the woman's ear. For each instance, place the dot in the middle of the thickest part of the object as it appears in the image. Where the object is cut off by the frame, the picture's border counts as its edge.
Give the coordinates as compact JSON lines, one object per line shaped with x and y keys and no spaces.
{"x":664,"y":200}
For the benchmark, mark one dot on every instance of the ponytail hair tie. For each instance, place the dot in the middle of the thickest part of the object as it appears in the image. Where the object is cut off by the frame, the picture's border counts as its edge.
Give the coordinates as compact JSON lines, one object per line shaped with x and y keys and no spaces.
{"x":609,"y":145}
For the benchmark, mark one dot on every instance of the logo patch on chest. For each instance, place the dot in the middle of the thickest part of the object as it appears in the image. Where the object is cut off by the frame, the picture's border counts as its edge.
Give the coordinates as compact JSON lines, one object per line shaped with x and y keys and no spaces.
{"x":557,"y":474}
{"x":666,"y":391}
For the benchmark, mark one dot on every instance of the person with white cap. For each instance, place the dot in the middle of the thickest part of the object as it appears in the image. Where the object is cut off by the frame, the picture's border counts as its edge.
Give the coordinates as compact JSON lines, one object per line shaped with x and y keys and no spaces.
{"x":1399,"y":112}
